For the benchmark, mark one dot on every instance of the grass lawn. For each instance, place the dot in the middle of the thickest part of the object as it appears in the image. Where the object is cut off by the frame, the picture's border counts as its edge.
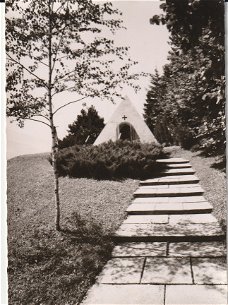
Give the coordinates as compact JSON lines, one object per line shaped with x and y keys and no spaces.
{"x":46,"y":267}
{"x":212,"y":180}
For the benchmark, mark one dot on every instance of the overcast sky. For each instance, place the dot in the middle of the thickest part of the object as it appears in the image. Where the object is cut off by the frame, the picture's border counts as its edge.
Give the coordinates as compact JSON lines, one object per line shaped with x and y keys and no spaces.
{"x":148,"y":45}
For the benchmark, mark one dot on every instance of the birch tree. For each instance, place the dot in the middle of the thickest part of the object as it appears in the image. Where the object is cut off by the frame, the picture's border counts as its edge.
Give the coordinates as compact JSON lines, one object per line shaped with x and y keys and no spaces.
{"x":54,"y":46}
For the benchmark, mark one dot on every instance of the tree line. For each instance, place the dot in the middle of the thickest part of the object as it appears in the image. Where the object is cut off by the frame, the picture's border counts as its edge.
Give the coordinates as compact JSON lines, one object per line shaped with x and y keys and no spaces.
{"x":185,"y":104}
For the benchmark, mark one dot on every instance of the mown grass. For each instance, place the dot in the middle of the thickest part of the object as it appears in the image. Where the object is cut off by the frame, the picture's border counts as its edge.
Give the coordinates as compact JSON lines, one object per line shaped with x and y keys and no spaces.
{"x":212,"y":179}
{"x":47,"y":267}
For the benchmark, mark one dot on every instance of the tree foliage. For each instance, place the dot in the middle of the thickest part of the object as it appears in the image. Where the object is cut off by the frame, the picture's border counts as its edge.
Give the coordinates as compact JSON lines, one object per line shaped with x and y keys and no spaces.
{"x":81,"y":57}
{"x":154,"y":110}
{"x":153,"y":107}
{"x":84,"y":130}
{"x":194,"y":93}
{"x":54,"y":46}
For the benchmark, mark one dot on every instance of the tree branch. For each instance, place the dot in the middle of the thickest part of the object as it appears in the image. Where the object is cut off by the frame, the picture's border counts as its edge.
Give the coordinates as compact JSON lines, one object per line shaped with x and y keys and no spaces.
{"x":30,"y":72}
{"x":69,"y":104}
{"x":38,"y":121}
{"x":57,"y":50}
{"x":58,"y":79}
{"x":42,"y":62}
{"x":59,"y":8}
{"x":43,"y":116}
{"x":67,"y":89}
{"x":61,"y":57}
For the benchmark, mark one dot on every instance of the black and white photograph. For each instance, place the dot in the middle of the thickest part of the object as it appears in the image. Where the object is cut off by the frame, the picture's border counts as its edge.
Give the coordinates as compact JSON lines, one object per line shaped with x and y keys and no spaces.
{"x":115,"y":152}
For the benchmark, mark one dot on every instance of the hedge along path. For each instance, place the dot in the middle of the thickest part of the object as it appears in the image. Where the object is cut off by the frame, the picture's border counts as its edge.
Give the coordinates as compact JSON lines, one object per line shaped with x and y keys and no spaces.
{"x":170,"y":249}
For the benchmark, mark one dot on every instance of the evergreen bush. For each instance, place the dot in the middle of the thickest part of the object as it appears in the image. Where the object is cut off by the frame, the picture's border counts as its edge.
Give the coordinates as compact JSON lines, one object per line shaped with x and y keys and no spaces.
{"x":111,"y":160}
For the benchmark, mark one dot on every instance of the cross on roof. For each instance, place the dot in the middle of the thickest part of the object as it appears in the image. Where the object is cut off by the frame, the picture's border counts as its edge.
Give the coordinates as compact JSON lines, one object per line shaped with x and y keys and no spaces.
{"x":124,"y":117}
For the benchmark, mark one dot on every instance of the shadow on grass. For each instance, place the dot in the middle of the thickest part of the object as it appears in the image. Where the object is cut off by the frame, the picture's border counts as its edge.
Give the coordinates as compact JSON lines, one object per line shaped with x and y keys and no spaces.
{"x":84,"y":231}
{"x":223,"y":226}
{"x":53,"y":267}
{"x":220,"y":165}
{"x":220,"y":161}
{"x":220,"y":158}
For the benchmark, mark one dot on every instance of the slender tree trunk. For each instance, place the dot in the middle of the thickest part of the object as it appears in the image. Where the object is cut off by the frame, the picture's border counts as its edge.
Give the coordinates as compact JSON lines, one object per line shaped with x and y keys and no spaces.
{"x":53,"y":129}
{"x":56,"y":178}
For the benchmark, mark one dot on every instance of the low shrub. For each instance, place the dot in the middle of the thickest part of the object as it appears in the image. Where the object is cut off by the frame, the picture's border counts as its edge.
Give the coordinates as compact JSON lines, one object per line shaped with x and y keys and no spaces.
{"x":111,"y":160}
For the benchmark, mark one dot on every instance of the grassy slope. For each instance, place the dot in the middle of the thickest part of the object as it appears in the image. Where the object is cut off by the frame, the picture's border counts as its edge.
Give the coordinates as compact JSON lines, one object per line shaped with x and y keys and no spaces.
{"x":44,"y":266}
{"x":212,"y":180}
{"x":50,"y":268}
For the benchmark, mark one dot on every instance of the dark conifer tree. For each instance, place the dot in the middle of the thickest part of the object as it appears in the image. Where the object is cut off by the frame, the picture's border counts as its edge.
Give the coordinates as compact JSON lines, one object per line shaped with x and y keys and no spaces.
{"x":84,"y":130}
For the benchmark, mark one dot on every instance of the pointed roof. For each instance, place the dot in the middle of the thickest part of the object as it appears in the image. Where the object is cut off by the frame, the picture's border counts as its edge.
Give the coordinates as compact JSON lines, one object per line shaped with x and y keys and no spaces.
{"x":125,"y":113}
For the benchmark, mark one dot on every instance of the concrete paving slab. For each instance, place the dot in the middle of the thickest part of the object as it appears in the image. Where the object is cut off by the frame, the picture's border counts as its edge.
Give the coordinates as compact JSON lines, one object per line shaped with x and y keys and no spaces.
{"x":209,"y":270}
{"x":196,"y":294}
{"x":151,"y":200}
{"x":187,"y":199}
{"x":146,"y":219}
{"x":174,"y":199}
{"x":152,"y":208}
{"x":189,"y":185}
{"x":183,"y":208}
{"x":167,"y":270}
{"x":175,"y":177}
{"x":215,"y":248}
{"x":165,"y":232}
{"x":184,"y":179}
{"x":122,"y":271}
{"x":168,"y":208}
{"x":154,"y":187}
{"x":200,"y":206}
{"x":141,"y":207}
{"x":125,"y":294}
{"x":172,"y":160}
{"x":180,"y":171}
{"x":178,"y":165}
{"x":192,"y":218}
{"x":169,"y":186}
{"x":140,"y":249}
{"x":178,"y":191}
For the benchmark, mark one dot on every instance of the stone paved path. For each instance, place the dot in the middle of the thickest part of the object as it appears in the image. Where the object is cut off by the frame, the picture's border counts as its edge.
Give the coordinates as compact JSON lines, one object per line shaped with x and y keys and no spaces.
{"x":170,"y":249}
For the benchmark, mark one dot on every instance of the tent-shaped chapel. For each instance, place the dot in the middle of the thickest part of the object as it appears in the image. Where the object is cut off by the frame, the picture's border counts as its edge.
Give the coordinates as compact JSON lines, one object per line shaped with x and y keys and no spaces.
{"x":126,"y":124}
